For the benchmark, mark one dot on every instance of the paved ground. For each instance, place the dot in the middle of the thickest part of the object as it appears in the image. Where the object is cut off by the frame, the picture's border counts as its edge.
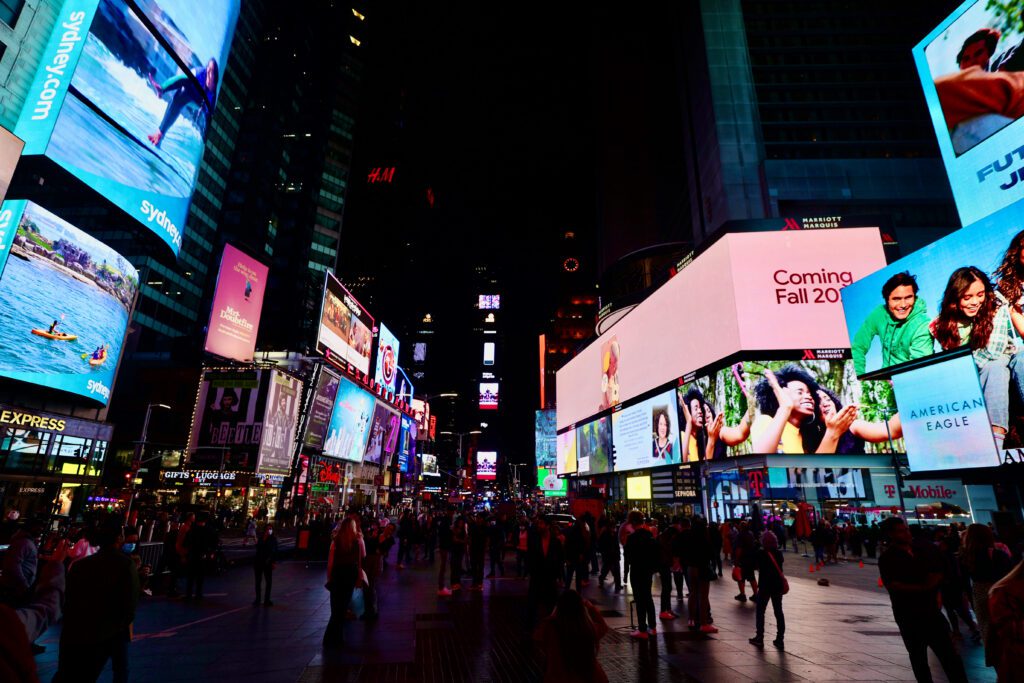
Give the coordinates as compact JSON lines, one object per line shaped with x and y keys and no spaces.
{"x":843,"y":632}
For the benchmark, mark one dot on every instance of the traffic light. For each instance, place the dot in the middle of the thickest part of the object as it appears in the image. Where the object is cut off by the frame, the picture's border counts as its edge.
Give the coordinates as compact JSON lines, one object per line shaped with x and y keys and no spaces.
{"x":127,"y":477}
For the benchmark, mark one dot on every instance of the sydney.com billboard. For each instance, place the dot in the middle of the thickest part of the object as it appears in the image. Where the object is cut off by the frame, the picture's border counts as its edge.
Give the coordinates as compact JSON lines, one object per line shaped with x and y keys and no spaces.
{"x":124,"y":97}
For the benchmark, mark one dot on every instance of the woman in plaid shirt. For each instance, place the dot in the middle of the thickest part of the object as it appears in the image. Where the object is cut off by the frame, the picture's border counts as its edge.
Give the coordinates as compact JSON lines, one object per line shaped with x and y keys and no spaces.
{"x":973,"y":314}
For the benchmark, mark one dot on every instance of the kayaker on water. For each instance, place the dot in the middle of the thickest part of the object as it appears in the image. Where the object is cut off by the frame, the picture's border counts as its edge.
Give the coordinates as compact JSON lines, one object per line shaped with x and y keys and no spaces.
{"x":99,"y":352}
{"x":53,"y":327}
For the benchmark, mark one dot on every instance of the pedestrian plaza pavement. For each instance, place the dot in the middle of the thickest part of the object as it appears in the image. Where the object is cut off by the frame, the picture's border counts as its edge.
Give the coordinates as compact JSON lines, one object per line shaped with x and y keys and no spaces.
{"x":844,"y":631}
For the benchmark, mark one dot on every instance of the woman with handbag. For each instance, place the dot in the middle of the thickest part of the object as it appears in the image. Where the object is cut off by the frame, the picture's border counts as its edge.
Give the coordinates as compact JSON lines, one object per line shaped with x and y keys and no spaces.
{"x":344,"y":575}
{"x":772,"y":586}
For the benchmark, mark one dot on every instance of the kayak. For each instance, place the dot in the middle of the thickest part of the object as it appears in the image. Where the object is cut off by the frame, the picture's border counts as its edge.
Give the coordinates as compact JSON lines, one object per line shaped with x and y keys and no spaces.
{"x":98,"y":361}
{"x":59,"y":336}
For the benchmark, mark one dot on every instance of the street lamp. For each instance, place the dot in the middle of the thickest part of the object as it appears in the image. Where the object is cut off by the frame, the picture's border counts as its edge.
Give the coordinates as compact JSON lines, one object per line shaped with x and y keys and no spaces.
{"x":140,"y":449}
{"x":460,"y":435}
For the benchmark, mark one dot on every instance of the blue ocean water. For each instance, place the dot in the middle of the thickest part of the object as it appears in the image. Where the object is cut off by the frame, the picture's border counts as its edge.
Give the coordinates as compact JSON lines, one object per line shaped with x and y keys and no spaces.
{"x":81,"y":141}
{"x":34,"y":295}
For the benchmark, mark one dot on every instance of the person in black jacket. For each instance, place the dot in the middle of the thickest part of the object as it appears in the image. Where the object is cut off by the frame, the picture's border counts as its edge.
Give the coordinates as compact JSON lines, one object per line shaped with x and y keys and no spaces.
{"x":642,"y":554}
{"x":266,"y":560}
{"x":546,"y":561}
{"x":608,"y":545}
{"x":768,"y":559}
{"x":200,"y":544}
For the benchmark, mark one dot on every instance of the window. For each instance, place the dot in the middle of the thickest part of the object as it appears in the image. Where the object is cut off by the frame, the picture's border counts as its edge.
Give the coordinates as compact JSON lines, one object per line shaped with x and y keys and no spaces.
{"x":9,"y":11}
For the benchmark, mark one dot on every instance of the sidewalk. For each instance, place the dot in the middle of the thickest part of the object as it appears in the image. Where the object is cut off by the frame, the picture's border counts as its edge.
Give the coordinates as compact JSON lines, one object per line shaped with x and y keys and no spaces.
{"x":841,"y":632}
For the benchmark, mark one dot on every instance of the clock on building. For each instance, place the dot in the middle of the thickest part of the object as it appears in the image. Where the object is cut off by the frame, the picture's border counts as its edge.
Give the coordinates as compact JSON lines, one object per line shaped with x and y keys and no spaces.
{"x":571,"y":264}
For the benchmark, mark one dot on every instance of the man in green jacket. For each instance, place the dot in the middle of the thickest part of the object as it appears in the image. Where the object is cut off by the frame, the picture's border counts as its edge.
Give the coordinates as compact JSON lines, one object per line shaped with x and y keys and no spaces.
{"x":901,"y":323}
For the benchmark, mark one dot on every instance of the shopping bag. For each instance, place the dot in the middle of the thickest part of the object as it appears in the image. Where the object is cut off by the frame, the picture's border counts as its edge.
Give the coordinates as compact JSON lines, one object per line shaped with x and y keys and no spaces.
{"x":358,"y":602}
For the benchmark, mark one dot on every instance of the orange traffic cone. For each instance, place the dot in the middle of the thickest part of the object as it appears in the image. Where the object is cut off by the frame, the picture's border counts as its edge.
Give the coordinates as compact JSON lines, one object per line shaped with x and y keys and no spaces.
{"x":811,"y":569}
{"x":880,"y":584}
{"x":861,"y":565}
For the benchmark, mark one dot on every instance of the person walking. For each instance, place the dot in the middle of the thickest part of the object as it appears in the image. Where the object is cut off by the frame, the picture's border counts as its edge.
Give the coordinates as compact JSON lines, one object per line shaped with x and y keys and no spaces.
{"x":608,"y":545}
{"x":20,"y":564}
{"x":477,"y":548}
{"x":496,"y":545}
{"x":200,"y":544}
{"x":743,"y":555}
{"x":694,"y":550}
{"x":577,"y":545}
{"x":99,"y":607}
{"x":442,"y":528}
{"x":625,"y":529}
{"x":912,"y":573}
{"x":460,"y":540}
{"x":546,"y":560}
{"x":569,"y":639}
{"x":715,"y":543}
{"x":1005,"y":647}
{"x":344,"y":560}
{"x":373,"y":565}
{"x":667,"y":564}
{"x":406,"y":531}
{"x":522,"y":536}
{"x":642,"y":554}
{"x":984,"y":564}
{"x":266,"y":560}
{"x":772,"y":585}
{"x":250,"y":532}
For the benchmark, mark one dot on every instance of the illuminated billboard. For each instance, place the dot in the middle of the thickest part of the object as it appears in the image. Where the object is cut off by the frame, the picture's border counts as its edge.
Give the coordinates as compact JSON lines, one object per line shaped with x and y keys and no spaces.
{"x":787,"y":406}
{"x":227,"y":426}
{"x":545,"y":438}
{"x":278,"y":444}
{"x":970,"y":69}
{"x":321,"y":408}
{"x":489,"y":301}
{"x":350,"y":422}
{"x":646,"y":434}
{"x":488,"y":353}
{"x":404,"y":389}
{"x":383,"y":435}
{"x":486,"y":465}
{"x":67,"y":299}
{"x":566,"y":453}
{"x":11,"y":147}
{"x":488,"y":395}
{"x":387,"y":358}
{"x":430,"y":465}
{"x":594,"y":446}
{"x":118,"y":110}
{"x":550,"y":483}
{"x":759,"y":291}
{"x":237,"y":305}
{"x":638,"y":488}
{"x":421,"y":410}
{"x":945,"y":422}
{"x":406,"y":445}
{"x":345,"y":327}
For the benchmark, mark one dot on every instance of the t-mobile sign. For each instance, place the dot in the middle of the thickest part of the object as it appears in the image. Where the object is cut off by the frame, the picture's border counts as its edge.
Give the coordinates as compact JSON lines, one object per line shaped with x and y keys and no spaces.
{"x":237,"y":304}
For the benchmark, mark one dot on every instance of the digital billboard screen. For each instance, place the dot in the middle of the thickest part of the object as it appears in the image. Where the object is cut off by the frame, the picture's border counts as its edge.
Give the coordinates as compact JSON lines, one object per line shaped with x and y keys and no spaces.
{"x":970,"y":68}
{"x":383,"y":435}
{"x":550,"y":483}
{"x":345,"y":327}
{"x":486,"y":465}
{"x":350,"y":422}
{"x":638,"y":488}
{"x":227,"y":426}
{"x":566,"y":458}
{"x":278,"y":444}
{"x":237,"y":305}
{"x":67,"y":299}
{"x":320,"y":409}
{"x":430,"y":465}
{"x":545,"y":438}
{"x":11,"y":147}
{"x":787,"y":406}
{"x":646,"y":434}
{"x":421,"y":411}
{"x":945,"y":422}
{"x":489,"y":301}
{"x":759,"y":291}
{"x":488,"y":395}
{"x":116,"y":109}
{"x":387,"y":358}
{"x":594,"y":446}
{"x":488,"y":353}
{"x":406,"y":444}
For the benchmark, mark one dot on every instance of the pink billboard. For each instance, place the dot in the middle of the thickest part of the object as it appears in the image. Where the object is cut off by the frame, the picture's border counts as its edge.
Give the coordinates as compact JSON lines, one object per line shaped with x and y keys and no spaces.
{"x":237,"y":304}
{"x":748,"y":291}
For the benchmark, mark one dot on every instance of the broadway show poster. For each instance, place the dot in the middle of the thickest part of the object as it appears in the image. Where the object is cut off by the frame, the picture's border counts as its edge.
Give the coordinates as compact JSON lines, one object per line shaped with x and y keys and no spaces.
{"x":321,"y":408}
{"x":278,"y":443}
{"x":237,"y":305}
{"x":228,"y":422}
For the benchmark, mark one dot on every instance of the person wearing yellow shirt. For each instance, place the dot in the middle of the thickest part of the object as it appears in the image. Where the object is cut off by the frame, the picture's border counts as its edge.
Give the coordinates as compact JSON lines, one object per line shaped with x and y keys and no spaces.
{"x":791,"y":420}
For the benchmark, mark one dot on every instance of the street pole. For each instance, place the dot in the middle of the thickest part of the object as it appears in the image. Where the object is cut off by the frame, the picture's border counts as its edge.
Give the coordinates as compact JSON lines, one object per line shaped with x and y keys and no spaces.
{"x":140,"y":449}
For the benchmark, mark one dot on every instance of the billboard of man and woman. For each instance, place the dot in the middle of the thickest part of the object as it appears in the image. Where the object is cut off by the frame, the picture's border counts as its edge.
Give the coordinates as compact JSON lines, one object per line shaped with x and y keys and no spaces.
{"x":786,"y":406}
{"x":963,"y":291}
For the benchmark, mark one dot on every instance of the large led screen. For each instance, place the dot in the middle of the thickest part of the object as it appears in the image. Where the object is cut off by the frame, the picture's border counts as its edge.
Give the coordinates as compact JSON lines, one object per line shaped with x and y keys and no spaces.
{"x":350,"y":422}
{"x":237,"y":305}
{"x":758,"y":291}
{"x":489,"y":395}
{"x":345,"y":327}
{"x":970,"y":68}
{"x":486,"y":465}
{"x":114,"y":107}
{"x":945,"y":419}
{"x":11,"y":147}
{"x":387,"y":358}
{"x":550,"y":483}
{"x":594,"y":446}
{"x":566,"y":459}
{"x":67,"y":298}
{"x":963,"y":289}
{"x":227,"y":426}
{"x":320,"y":409}
{"x":430,"y":465}
{"x":406,"y":445}
{"x":786,"y":406}
{"x":545,"y":438}
{"x":646,"y":434}
{"x":277,"y":446}
{"x":383,"y":435}
{"x":421,"y":410}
